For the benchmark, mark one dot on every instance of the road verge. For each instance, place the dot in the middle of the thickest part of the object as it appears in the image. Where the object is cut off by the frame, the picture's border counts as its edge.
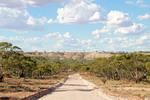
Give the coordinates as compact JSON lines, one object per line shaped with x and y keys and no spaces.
{"x":44,"y":92}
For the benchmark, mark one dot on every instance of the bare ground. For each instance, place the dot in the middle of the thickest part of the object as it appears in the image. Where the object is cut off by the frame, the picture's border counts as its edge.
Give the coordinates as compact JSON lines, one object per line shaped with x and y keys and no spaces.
{"x":14,"y":89}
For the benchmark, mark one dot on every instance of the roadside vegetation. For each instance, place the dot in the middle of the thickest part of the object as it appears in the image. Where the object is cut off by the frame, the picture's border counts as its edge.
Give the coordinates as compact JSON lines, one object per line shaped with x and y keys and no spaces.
{"x":126,"y":74}
{"x":21,"y":73}
{"x":121,"y":88}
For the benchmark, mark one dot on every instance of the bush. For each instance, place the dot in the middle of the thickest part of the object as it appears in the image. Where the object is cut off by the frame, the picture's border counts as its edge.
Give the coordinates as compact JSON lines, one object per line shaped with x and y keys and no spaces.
{"x":148,"y":66}
{"x":104,"y":80}
{"x":148,"y":78}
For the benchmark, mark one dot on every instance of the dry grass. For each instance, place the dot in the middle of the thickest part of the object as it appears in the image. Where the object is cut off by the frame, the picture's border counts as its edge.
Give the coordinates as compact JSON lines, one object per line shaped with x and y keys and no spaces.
{"x":124,"y":87}
{"x":13,"y":89}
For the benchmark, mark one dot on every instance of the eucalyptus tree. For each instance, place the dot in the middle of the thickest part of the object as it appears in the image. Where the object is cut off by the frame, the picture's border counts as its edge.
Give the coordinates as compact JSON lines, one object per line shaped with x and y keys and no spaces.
{"x":9,"y":58}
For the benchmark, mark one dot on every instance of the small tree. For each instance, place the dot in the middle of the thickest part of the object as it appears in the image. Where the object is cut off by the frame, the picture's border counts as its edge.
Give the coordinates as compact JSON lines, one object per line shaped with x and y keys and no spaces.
{"x":9,"y":58}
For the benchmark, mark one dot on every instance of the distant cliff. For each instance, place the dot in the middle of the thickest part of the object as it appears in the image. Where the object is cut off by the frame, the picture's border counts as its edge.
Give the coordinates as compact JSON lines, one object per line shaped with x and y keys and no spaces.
{"x":77,"y":55}
{"x":72,"y":55}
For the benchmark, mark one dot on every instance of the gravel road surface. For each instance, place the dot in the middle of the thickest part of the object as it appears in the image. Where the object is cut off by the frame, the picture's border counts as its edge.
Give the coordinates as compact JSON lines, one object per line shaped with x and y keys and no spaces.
{"x":76,"y":88}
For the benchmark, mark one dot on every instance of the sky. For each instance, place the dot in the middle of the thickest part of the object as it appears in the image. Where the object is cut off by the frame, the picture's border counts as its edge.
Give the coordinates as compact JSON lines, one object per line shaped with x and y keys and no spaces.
{"x":76,"y":25}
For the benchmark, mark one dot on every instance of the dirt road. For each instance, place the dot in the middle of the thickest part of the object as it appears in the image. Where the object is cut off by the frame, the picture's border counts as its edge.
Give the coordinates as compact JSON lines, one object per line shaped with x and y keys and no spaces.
{"x":76,"y":88}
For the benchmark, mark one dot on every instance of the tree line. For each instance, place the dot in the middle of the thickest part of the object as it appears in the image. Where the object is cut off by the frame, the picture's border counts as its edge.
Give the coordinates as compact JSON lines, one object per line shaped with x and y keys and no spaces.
{"x":13,"y":63}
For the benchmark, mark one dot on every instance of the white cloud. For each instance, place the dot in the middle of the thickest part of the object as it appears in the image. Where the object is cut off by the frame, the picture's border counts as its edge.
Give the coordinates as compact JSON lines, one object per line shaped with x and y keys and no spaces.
{"x":113,"y":40}
{"x":131,"y":30}
{"x":88,"y":1}
{"x":134,"y":43}
{"x":11,"y":39}
{"x":57,"y":36}
{"x":27,"y":44}
{"x":146,"y":16}
{"x":80,"y":13}
{"x":14,"y":4}
{"x":118,"y":19}
{"x":104,"y":30}
{"x":67,"y":35}
{"x":126,"y":44}
{"x":130,"y":2}
{"x":15,"y":12}
{"x":70,"y":43}
{"x":67,"y":42}
{"x":34,"y":21}
{"x":22,"y":4}
{"x":37,"y":3}
{"x":51,"y":21}
{"x":14,"y":19}
{"x":73,"y":44}
{"x":54,"y":36}
{"x":137,"y":2}
{"x":120,"y":23}
{"x":96,"y":16}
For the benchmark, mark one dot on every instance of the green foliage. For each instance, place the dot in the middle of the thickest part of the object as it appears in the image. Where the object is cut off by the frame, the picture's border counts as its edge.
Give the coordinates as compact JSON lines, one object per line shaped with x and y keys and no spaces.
{"x":9,"y":58}
{"x":148,"y":66}
{"x":127,"y":66}
{"x":14,"y":64}
{"x":84,"y":68}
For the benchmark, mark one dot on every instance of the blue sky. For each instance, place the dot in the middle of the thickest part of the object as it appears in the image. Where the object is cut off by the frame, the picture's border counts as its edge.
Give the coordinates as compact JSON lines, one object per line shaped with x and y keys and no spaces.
{"x":76,"y":25}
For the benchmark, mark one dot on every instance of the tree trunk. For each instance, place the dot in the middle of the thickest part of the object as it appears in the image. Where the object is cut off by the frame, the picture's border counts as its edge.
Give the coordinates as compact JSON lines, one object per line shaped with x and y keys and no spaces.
{"x":1,"y":77}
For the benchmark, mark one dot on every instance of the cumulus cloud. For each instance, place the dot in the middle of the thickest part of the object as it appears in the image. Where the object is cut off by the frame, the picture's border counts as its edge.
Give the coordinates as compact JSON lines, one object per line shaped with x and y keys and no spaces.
{"x":95,"y":17}
{"x":14,"y":19}
{"x":80,"y":13}
{"x":131,"y":30}
{"x":120,"y":23}
{"x":74,"y":12}
{"x":142,"y":17}
{"x":118,"y":19}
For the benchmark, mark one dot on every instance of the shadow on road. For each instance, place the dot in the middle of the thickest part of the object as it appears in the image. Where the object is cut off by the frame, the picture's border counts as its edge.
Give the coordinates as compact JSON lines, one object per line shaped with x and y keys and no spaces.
{"x":84,"y":90}
{"x":74,"y":85}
